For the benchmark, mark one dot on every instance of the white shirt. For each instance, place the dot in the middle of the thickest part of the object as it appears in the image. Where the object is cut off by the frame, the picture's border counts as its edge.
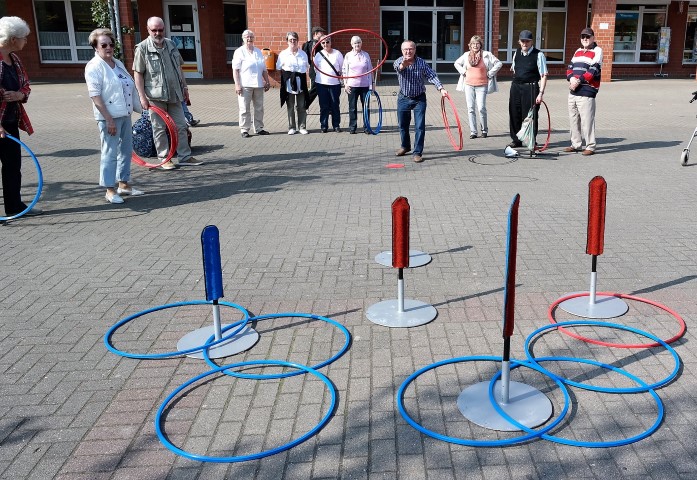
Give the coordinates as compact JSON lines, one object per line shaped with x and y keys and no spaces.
{"x":336,"y":59}
{"x":251,"y":66}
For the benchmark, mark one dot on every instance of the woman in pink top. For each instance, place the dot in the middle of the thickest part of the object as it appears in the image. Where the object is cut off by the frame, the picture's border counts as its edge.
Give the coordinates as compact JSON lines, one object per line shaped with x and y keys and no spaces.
{"x":357,"y":62}
{"x":478,"y":70}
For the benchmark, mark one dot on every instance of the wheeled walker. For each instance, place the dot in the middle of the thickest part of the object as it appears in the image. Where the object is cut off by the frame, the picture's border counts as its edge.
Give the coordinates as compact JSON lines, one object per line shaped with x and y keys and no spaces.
{"x":685,"y":156}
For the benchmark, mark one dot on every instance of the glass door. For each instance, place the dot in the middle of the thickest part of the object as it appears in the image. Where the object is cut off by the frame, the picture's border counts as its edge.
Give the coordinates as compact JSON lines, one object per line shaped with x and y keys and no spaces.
{"x":181,"y":22}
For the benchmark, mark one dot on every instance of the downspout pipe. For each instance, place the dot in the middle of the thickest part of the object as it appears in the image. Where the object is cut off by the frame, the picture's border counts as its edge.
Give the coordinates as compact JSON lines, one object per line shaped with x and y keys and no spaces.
{"x":309,"y":20}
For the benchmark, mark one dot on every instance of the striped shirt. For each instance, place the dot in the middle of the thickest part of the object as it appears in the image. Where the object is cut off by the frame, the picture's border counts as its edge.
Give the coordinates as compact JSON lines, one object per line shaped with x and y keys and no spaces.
{"x":411,"y":79}
{"x":586,"y":65}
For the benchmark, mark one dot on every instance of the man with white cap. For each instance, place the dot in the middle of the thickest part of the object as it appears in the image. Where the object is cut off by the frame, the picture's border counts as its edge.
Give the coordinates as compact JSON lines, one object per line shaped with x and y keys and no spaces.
{"x":529,"y":68}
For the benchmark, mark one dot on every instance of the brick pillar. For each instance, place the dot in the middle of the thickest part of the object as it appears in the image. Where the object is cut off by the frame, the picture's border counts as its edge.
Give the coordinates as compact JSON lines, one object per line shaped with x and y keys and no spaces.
{"x":603,"y":11}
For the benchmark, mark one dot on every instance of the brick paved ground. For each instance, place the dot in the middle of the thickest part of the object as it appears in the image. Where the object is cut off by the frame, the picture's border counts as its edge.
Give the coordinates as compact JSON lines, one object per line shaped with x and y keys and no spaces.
{"x":301,"y":219}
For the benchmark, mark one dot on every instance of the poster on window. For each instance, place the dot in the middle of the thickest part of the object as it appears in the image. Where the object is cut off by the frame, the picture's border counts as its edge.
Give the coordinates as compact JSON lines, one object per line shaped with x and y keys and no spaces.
{"x":663,"y":45}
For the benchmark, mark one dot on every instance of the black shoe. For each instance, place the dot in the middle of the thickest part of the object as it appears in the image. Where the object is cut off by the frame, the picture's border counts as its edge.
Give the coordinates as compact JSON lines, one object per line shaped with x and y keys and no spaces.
{"x":352,"y":131}
{"x":366,"y":131}
{"x":515,"y":144}
{"x":324,"y":130}
{"x":474,"y":135}
{"x":337,"y":129}
{"x":483,"y":134}
{"x":245,"y":134}
{"x":263,"y":132}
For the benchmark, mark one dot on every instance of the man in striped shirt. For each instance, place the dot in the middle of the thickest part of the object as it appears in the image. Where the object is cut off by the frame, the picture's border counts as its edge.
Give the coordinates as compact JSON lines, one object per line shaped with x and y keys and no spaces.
{"x":411,"y":71}
{"x":584,"y":80}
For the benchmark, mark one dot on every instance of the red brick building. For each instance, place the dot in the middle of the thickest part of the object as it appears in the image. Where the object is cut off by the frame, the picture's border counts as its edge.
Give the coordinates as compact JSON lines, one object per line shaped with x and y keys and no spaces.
{"x":638,"y":37}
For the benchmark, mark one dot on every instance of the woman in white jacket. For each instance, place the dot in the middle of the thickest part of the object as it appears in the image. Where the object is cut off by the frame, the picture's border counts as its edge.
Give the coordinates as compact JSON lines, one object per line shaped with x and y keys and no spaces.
{"x":478,"y":70}
{"x":112,"y":89}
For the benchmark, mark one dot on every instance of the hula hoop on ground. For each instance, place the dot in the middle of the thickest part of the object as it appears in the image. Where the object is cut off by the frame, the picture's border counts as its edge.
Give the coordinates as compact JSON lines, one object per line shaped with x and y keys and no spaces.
{"x":681,"y":322}
{"x":644,"y":388}
{"x":39,"y":175}
{"x":481,"y":443}
{"x":311,"y":316}
{"x":151,"y":356}
{"x":549,"y":129}
{"x":243,"y":458}
{"x":173,"y":139}
{"x":577,"y":443}
{"x":366,"y":112}
{"x":314,"y":51}
{"x":447,"y":124}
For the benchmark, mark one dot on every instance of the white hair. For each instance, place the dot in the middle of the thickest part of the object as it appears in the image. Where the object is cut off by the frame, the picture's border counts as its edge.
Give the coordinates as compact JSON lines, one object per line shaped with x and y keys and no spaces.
{"x":247,"y":33}
{"x":356,"y":38}
{"x":12,"y":27}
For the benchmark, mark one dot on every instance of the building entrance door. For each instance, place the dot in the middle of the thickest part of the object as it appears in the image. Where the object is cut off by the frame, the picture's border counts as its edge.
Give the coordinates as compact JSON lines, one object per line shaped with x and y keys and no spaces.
{"x":181,"y":23}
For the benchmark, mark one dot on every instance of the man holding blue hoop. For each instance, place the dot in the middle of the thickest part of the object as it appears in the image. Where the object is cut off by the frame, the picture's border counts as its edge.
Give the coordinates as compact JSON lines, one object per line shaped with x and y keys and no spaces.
{"x":411,"y":71}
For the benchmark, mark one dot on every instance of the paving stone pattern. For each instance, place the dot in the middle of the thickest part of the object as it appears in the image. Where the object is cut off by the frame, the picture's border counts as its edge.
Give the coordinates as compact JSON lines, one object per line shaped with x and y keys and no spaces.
{"x":301,"y":219}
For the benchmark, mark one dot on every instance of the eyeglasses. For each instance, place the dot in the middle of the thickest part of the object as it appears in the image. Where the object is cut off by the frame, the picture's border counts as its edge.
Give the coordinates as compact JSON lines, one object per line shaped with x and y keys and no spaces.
{"x":525,"y":41}
{"x":105,"y":45}
{"x":292,"y":39}
{"x":249,"y":39}
{"x":157,"y":30}
{"x":326,"y":42}
{"x":585,"y":37}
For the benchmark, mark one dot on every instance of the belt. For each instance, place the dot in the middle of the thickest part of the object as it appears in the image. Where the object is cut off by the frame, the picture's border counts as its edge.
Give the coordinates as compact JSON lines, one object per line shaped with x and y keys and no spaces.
{"x":412,"y":98}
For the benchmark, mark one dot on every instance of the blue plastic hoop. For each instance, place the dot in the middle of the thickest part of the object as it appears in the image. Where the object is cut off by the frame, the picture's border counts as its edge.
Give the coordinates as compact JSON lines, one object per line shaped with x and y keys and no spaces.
{"x":343,"y":349}
{"x":481,"y":443}
{"x":578,"y":443}
{"x":644,"y":387}
{"x":40,"y":176}
{"x":243,"y":458}
{"x":366,"y":112}
{"x":151,"y":356}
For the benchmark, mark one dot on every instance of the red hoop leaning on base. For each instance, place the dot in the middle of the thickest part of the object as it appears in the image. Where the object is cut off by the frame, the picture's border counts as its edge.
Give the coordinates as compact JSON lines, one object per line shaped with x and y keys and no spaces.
{"x":173,"y":140}
{"x":549,"y":130}
{"x":314,"y":50}
{"x":447,"y":124}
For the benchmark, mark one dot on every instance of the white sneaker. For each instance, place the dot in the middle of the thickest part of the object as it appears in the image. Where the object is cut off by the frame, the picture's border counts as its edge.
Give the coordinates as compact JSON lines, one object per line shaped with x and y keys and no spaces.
{"x":291,"y":131}
{"x":115,"y":198}
{"x":134,"y":192}
{"x":303,"y":131}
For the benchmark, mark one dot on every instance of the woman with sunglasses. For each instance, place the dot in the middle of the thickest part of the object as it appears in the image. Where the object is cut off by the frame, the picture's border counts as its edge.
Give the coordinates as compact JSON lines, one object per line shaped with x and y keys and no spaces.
{"x":114,"y":98}
{"x":478,"y":70}
{"x":330,"y":61}
{"x":14,"y":93}
{"x":292,"y":63}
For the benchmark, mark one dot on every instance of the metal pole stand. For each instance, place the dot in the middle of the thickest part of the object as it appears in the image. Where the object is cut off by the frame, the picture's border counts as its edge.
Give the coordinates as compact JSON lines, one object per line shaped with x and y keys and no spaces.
{"x":401,"y":312}
{"x":213,"y":273}
{"x":595,"y":306}
{"x":524,"y":403}
{"x":416,"y":258}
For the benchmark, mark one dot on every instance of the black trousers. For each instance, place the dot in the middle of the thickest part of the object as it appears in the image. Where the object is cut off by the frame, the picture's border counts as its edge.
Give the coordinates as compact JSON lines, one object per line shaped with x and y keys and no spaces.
{"x":356,"y":93}
{"x":521,"y":99}
{"x":11,"y":158}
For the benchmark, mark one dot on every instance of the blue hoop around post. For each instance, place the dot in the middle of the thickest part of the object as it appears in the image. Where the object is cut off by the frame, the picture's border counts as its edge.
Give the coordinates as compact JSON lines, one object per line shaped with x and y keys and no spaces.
{"x":366,"y":112}
{"x":40,"y":176}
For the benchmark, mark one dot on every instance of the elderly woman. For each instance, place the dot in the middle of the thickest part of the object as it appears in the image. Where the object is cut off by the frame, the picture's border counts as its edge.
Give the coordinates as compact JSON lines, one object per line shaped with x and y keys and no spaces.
{"x":292,"y":63}
{"x":114,"y":98}
{"x":14,"y":92}
{"x":330,"y":62}
{"x":357,"y":64}
{"x":251,"y":81}
{"x":478,"y":70}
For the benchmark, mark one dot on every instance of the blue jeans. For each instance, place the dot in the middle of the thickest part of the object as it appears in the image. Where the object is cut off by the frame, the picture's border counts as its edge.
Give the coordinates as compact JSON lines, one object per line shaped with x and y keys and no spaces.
{"x":329,"y":96}
{"x":115,"y":165}
{"x":404,"y":107}
{"x":356,"y":93}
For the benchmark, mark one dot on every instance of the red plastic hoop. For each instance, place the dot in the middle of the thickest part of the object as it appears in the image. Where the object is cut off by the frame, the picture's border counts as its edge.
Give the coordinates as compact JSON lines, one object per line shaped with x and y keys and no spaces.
{"x":447,"y":124}
{"x":681,"y":322}
{"x":173,"y":140}
{"x":549,"y":129}
{"x":384,"y":43}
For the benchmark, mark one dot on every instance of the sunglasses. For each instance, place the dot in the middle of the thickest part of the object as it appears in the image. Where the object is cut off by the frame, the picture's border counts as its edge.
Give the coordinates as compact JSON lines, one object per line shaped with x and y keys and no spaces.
{"x":326,"y":42}
{"x":585,"y":37}
{"x":105,"y":45}
{"x":157,"y":30}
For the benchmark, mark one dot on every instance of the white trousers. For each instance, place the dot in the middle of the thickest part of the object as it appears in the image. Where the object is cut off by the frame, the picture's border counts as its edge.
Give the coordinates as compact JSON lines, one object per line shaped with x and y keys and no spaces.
{"x":251,"y":96}
{"x":476,"y":96}
{"x":582,"y":121}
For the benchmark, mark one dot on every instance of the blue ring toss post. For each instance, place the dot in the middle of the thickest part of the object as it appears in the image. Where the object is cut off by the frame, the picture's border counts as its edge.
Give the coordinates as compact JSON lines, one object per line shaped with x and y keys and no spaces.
{"x":603,"y":306}
{"x":213,"y":275}
{"x":401,"y":312}
{"x":526,"y":404}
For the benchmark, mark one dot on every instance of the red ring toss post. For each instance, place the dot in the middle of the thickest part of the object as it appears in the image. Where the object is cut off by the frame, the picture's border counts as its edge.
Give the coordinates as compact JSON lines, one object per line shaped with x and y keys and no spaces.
{"x":595,"y":307}
{"x":524,"y":403}
{"x":400,"y":312}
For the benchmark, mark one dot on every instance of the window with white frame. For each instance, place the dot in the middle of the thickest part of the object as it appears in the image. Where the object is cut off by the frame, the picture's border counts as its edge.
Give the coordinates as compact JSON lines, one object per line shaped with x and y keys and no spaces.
{"x":63,"y":28}
{"x":235,"y":21}
{"x":546,"y":19}
{"x":637,"y":32}
{"x":689,"y":54}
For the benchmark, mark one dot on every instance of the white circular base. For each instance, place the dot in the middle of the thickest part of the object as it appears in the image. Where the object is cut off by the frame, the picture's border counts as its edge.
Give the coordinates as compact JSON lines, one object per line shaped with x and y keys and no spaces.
{"x":387,"y":314}
{"x":239,"y":343}
{"x":605,"y":306}
{"x":416,"y":258}
{"x":527,"y":405}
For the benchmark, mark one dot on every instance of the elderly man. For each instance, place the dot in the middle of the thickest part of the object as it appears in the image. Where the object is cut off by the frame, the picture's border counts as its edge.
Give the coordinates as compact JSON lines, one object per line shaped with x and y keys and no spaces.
{"x":160,"y":82}
{"x":584,"y":81}
{"x":528,"y":86}
{"x":411,"y":71}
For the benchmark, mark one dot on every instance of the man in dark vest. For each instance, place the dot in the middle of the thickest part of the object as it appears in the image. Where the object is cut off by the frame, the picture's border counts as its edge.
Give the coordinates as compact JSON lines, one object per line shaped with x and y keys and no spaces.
{"x":529,"y":68}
